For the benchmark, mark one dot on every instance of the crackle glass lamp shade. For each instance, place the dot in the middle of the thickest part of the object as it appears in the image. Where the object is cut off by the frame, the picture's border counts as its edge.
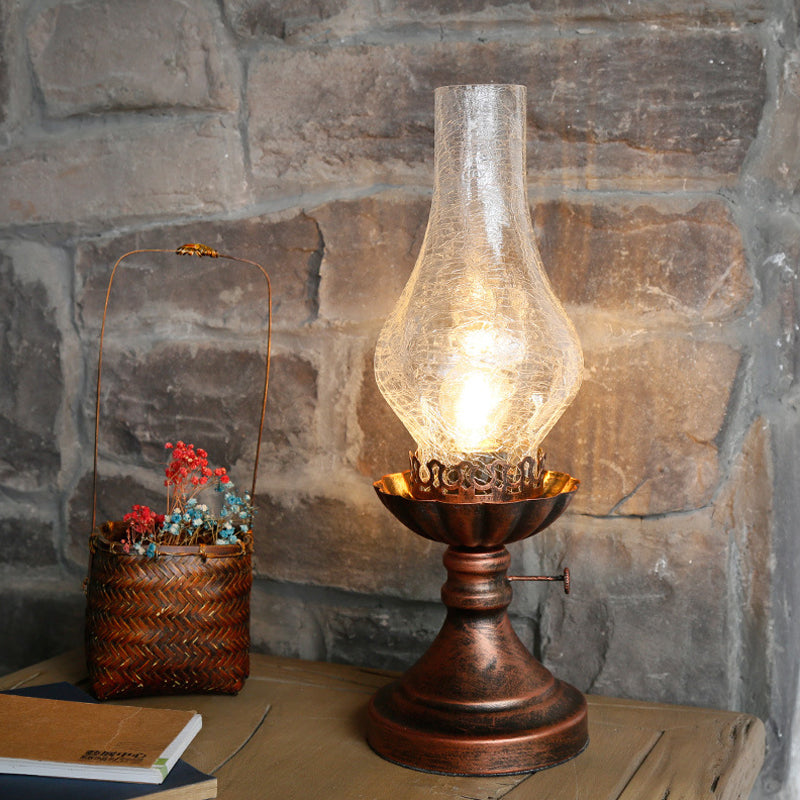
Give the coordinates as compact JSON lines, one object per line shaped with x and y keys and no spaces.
{"x":478,"y":358}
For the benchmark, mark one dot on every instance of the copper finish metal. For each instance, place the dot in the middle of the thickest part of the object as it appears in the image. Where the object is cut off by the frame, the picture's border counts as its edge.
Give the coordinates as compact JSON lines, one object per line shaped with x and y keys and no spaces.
{"x":477,"y":702}
{"x":563,"y":577}
{"x":485,"y":524}
{"x":487,"y":480}
{"x":180,"y":621}
{"x":190,"y":249}
{"x":175,"y":624}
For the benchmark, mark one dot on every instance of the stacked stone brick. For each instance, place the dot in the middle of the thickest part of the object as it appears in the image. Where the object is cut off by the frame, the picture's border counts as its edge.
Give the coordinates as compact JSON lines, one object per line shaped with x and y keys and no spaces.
{"x":663,"y":159}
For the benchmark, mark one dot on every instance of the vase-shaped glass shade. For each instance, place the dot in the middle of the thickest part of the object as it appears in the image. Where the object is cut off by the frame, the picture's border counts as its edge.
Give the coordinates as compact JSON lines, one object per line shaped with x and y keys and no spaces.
{"x":478,"y":358}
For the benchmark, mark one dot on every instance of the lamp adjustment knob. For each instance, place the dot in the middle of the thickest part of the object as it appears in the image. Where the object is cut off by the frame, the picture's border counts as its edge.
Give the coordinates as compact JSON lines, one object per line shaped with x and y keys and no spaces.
{"x":564,"y":578}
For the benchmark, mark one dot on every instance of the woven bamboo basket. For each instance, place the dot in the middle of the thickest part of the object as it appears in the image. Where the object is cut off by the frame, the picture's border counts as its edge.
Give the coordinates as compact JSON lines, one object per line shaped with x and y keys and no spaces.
{"x":178,"y":622}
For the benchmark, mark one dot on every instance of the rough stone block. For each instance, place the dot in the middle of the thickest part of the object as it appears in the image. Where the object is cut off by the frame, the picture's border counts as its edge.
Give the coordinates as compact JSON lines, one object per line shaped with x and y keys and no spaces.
{"x":31,"y":379}
{"x":301,"y":20}
{"x":784,"y":591}
{"x":381,"y":635}
{"x":743,"y":512}
{"x":212,"y":398}
{"x":42,"y":617}
{"x":642,"y":433}
{"x":123,"y":171}
{"x":647,"y":614}
{"x":645,"y":258}
{"x":332,"y":542}
{"x":596,"y":116}
{"x":385,"y":442}
{"x":780,"y":152}
{"x":117,"y":491}
{"x":384,"y":634}
{"x":151,"y":54}
{"x":258,"y":18}
{"x":664,"y":11}
{"x":5,"y":82}
{"x":155,"y":291}
{"x":285,"y":622}
{"x":27,"y":541}
{"x":776,"y":358}
{"x":332,"y":625}
{"x":371,"y":245}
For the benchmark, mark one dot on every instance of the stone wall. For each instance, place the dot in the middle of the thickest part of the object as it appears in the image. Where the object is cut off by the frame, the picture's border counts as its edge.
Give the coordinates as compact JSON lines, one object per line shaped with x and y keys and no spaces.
{"x":664,"y":160}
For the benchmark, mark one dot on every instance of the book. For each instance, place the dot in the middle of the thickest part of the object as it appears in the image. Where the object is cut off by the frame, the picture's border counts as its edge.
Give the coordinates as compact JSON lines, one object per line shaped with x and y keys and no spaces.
{"x":184,"y":782}
{"x":42,"y":736}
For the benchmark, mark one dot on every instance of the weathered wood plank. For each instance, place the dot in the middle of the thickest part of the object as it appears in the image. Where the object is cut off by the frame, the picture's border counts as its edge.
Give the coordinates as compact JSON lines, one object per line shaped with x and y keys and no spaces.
{"x":601,"y":772}
{"x":69,"y":666}
{"x":717,"y":759}
{"x":665,"y":716}
{"x":296,"y":730}
{"x":228,"y":721}
{"x":317,"y":672}
{"x":312,"y":745}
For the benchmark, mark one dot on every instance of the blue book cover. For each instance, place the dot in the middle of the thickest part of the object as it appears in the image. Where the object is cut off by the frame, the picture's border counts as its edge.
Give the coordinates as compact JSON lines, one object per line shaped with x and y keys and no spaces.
{"x":184,"y":782}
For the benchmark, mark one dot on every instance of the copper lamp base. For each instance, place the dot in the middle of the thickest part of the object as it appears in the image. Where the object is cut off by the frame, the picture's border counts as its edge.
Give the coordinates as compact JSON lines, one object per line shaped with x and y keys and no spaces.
{"x":477,"y":702}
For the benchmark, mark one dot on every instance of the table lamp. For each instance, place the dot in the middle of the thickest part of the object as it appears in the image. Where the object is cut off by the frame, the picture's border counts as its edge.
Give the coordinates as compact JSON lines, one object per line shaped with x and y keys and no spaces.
{"x":478,"y":359}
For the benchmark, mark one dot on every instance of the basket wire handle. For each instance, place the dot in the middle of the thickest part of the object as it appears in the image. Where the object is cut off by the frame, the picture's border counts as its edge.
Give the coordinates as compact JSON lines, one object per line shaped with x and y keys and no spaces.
{"x":199,"y":250}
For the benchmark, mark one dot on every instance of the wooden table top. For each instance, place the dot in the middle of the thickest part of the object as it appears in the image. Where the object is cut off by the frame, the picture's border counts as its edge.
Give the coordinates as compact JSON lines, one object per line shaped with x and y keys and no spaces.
{"x":296,"y":731}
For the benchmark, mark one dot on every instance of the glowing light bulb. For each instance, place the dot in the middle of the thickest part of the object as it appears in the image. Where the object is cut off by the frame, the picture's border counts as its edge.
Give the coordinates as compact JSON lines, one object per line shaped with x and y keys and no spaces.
{"x":478,"y":358}
{"x":475,"y":401}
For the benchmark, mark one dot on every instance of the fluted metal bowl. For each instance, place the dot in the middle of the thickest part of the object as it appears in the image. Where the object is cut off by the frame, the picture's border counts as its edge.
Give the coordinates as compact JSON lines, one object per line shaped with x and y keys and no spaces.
{"x":489,"y":524}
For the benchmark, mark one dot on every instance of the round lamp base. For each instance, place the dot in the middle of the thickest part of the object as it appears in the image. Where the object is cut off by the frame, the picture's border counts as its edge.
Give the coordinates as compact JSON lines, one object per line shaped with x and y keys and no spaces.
{"x":557,"y":733}
{"x":477,"y":702}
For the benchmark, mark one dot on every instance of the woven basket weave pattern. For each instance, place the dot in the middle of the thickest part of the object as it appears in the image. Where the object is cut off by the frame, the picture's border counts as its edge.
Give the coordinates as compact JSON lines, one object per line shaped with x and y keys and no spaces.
{"x":178,"y":622}
{"x":167,"y":625}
